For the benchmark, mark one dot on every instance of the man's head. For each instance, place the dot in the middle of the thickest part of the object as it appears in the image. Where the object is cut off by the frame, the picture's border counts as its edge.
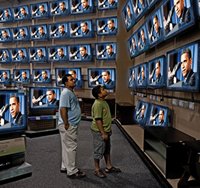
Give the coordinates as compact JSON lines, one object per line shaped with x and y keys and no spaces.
{"x":156,"y":24}
{"x":41,"y":30}
{"x":21,"y":53}
{"x":40,"y":52}
{"x":14,"y":106}
{"x":84,"y":27}
{"x":143,"y":72}
{"x":179,"y":7}
{"x":68,"y":81}
{"x":24,"y":74}
{"x":142,"y":34}
{"x":133,"y":42}
{"x":143,"y":110}
{"x":83,"y":51}
{"x":84,"y":4}
{"x":60,"y":52}
{"x":128,"y":10}
{"x":111,"y":24}
{"x":99,"y":92}
{"x":22,"y":32}
{"x":73,"y":73}
{"x":186,"y":62}
{"x":161,"y":116}
{"x":109,"y":49}
{"x":157,"y":69}
{"x":5,"y":54}
{"x":110,"y":2}
{"x":51,"y":95}
{"x":61,"y":28}
{"x":41,"y":8}
{"x":23,"y":11}
{"x":62,"y":6}
{"x":6,"y":13}
{"x":105,"y":76}
{"x":44,"y":74}
{"x":4,"y":33}
{"x":5,"y":74}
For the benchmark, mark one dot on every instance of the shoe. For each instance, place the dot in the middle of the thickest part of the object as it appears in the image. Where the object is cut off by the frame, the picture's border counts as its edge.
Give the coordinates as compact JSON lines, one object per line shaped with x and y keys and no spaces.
{"x":78,"y":174}
{"x":99,"y":173}
{"x":112,"y":170}
{"x":63,"y":170}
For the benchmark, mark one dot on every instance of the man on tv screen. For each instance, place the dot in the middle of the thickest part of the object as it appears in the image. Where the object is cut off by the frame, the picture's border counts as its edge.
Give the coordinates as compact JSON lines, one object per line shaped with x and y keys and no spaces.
{"x":157,"y":117}
{"x":4,"y":77}
{"x":128,"y":16}
{"x":112,"y":3}
{"x":51,"y":98}
{"x":5,"y":15}
{"x":140,"y":5}
{"x":4,"y":57}
{"x":132,"y":81}
{"x":5,"y":35}
{"x":39,"y":33}
{"x":83,"y":6}
{"x":60,"y":9}
{"x":84,"y":29}
{"x":142,"y":39}
{"x":141,"y":76}
{"x":74,"y":75}
{"x":83,"y":52}
{"x":133,"y":46}
{"x":40,"y":11}
{"x":21,"y":34}
{"x":110,"y":51}
{"x":140,"y":113}
{"x":45,"y":77}
{"x":107,"y":82}
{"x":157,"y":71}
{"x":58,"y":54}
{"x":24,"y":77}
{"x":38,"y":55}
{"x":111,"y":26}
{"x":19,"y":56}
{"x":21,"y":13}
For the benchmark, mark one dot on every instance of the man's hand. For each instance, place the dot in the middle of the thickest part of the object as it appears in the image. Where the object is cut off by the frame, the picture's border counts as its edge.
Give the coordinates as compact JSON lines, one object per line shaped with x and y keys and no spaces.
{"x":104,"y":135}
{"x":66,"y":126}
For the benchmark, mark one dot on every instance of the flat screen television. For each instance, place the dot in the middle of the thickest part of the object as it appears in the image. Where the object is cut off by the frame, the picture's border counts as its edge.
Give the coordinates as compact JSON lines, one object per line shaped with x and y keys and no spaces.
{"x":107,"y":26}
{"x":41,"y":76}
{"x":74,"y":71}
{"x":39,"y":10}
{"x":81,"y":7}
{"x":177,"y":19}
{"x":6,"y":15}
{"x":107,"y":4}
{"x":81,"y":29}
{"x":37,"y":54}
{"x":5,"y":56}
{"x":59,"y":8}
{"x":13,"y":112}
{"x":133,"y":45}
{"x":39,"y":32}
{"x":80,"y":53}
{"x":5,"y":77}
{"x":19,"y":55}
{"x":21,"y":33}
{"x":57,"y":53}
{"x":21,"y":76}
{"x":102,"y":76}
{"x":132,"y":81}
{"x":106,"y":51}
{"x":140,"y":8}
{"x":183,"y":68}
{"x":5,"y":35}
{"x":21,"y":13}
{"x":58,"y":31}
{"x":141,"y":75}
{"x":157,"y":72}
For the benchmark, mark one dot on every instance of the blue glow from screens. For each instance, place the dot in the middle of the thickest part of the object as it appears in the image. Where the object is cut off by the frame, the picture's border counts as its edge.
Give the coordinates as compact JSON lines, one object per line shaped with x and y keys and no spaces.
{"x":21,"y":13}
{"x":21,"y":33}
{"x":21,"y":76}
{"x":58,"y":30}
{"x":141,"y":112}
{"x":6,"y":15}
{"x":5,"y":56}
{"x":39,"y":32}
{"x":106,"y":4}
{"x":57,"y":53}
{"x":38,"y":54}
{"x":5,"y":77}
{"x":39,"y":10}
{"x":5,"y":35}
{"x":41,"y":76}
{"x":78,"y":7}
{"x":59,"y":8}
{"x":19,"y":55}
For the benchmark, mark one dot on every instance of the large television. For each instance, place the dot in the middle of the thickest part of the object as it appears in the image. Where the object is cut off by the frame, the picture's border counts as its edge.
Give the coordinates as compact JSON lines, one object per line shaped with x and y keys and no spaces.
{"x":80,"y":53}
{"x":102,"y":76}
{"x":59,"y":8}
{"x":81,"y":29}
{"x":177,"y":17}
{"x":141,"y":75}
{"x":57,"y":53}
{"x":157,"y":72}
{"x":107,"y":4}
{"x":37,"y":54}
{"x":58,"y":30}
{"x":5,"y":35}
{"x":81,"y":7}
{"x":183,"y":68}
{"x":39,"y":10}
{"x":106,"y":51}
{"x":21,"y":33}
{"x":5,"y":56}
{"x":21,"y":13}
{"x":13,"y":112}
{"x":19,"y":55}
{"x":21,"y":76}
{"x":6,"y":15}
{"x":39,"y":32}
{"x":5,"y":77}
{"x":107,"y":26}
{"x":41,"y":76}
{"x":133,"y":45}
{"x":74,"y":71}
{"x":132,"y":81}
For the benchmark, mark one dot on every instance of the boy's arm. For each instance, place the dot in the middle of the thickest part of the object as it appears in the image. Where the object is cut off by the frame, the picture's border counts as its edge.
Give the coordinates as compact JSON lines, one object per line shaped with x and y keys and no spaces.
{"x":99,"y":124}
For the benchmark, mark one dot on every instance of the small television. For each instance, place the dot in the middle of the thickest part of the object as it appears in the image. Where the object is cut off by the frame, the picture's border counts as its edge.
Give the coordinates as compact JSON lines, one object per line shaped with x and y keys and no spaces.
{"x":59,"y":8}
{"x":107,"y":26}
{"x":58,"y":31}
{"x":81,"y":29}
{"x":157,"y":72}
{"x":5,"y":56}
{"x":102,"y":76}
{"x":107,"y":4}
{"x":183,"y":68}
{"x":132,"y":82}
{"x":6,"y":15}
{"x":39,"y":10}
{"x":5,"y":35}
{"x":41,"y":76}
{"x":106,"y":51}
{"x":37,"y":54}
{"x":141,"y":112}
{"x":81,"y":7}
{"x":5,"y":77}
{"x":19,"y":55}
{"x":39,"y":32}
{"x":158,"y":116}
{"x":75,"y":72}
{"x":21,"y":13}
{"x":21,"y":76}
{"x":13,"y":112}
{"x":140,"y":7}
{"x":57,"y":53}
{"x":176,"y":20}
{"x":133,"y":45}
{"x":141,"y":75}
{"x":80,"y":53}
{"x":21,"y":33}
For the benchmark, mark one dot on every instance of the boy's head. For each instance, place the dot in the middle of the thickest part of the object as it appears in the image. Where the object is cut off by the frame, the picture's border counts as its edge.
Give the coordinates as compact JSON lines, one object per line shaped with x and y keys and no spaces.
{"x":96,"y":90}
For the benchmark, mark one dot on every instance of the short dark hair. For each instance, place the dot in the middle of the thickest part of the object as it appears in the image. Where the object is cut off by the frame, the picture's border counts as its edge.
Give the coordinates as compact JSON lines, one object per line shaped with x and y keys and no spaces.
{"x":187,"y":51}
{"x":65,"y":78}
{"x":96,"y":90}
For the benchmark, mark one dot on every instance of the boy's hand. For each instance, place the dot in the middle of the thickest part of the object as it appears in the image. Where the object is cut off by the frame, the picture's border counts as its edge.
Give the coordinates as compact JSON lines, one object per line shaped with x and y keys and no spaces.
{"x":104,"y":136}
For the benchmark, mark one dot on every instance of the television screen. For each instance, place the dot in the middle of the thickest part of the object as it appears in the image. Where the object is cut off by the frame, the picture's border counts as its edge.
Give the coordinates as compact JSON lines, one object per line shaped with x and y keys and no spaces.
{"x":38,"y":54}
{"x":81,"y":29}
{"x":41,"y":76}
{"x":21,"y":76}
{"x":106,"y":51}
{"x":6,"y":15}
{"x":78,"y":53}
{"x":59,"y":8}
{"x":151,"y":3}
{"x":39,"y":10}
{"x":107,"y":26}
{"x":183,"y":68}
{"x":157,"y":72}
{"x":103,"y":76}
{"x":177,"y":16}
{"x":75,"y":72}
{"x":81,"y":6}
{"x":13,"y":113}
{"x":133,"y":45}
{"x":21,"y":33}
{"x":57,"y":53}
{"x":5,"y":35}
{"x":5,"y":77}
{"x":21,"y":13}
{"x":19,"y":55}
{"x":107,"y":4}
{"x":5,"y":56}
{"x":140,"y":7}
{"x":58,"y":31}
{"x":132,"y":83}
{"x":39,"y":32}
{"x":141,"y":72}
{"x":141,"y":112}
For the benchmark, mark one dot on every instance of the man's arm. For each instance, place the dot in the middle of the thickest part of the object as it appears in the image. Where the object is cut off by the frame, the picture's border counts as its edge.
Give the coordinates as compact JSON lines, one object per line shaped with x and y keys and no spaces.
{"x":99,"y":124}
{"x":64,"y":116}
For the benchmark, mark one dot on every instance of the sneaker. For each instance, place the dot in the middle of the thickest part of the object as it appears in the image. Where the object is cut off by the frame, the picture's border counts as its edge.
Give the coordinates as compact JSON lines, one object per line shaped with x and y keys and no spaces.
{"x":63,"y":170}
{"x":78,"y":174}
